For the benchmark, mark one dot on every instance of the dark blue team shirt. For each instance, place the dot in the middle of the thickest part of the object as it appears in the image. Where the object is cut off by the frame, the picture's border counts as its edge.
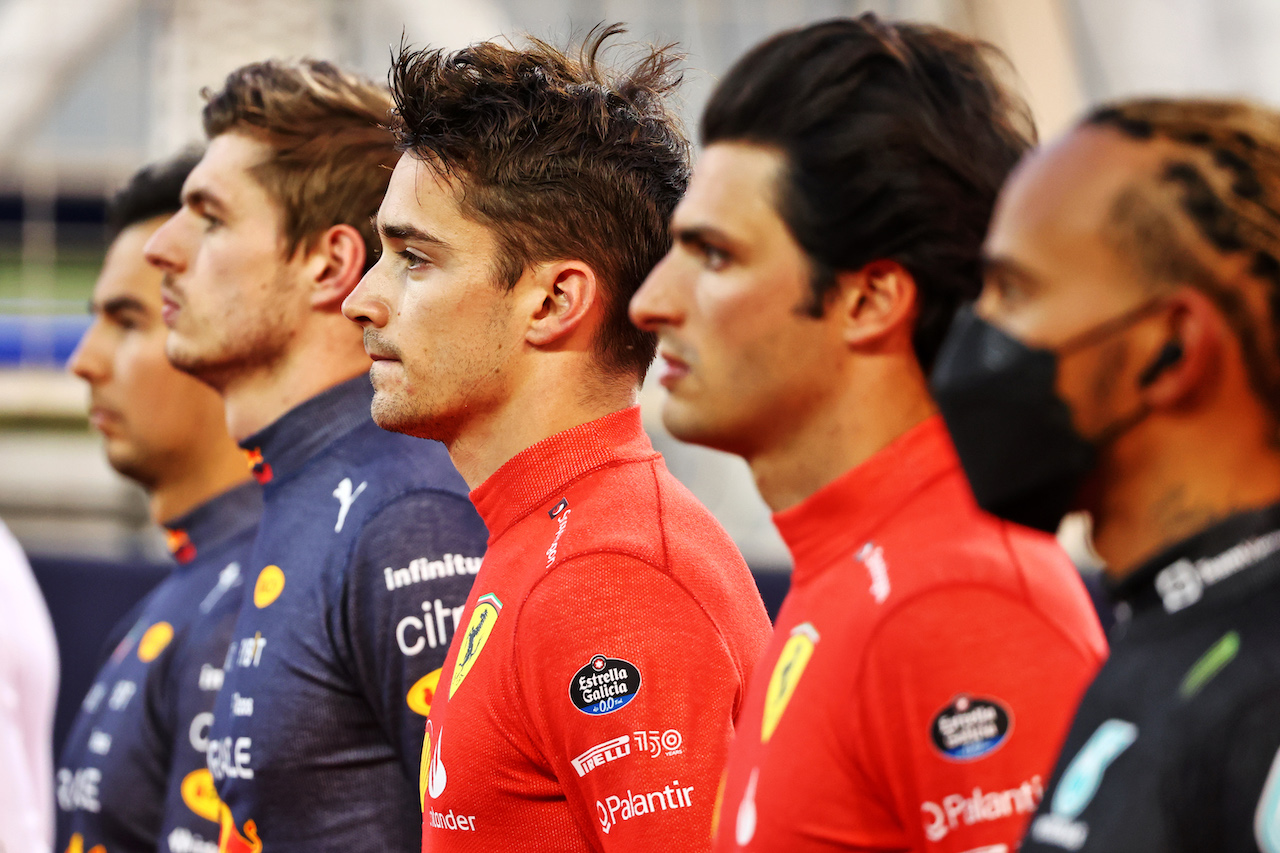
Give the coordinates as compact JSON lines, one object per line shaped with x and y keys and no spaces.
{"x":132,"y":775}
{"x":359,"y":575}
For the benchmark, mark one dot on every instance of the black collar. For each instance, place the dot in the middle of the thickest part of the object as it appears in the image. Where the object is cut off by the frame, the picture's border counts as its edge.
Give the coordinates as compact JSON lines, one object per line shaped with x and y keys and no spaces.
{"x":286,"y":446}
{"x":215,"y":521}
{"x":1227,"y":560}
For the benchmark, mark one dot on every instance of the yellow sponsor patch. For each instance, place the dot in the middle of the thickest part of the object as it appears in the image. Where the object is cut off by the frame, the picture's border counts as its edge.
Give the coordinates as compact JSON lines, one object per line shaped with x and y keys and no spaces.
{"x":479,"y":628}
{"x":423,"y":691}
{"x":77,"y":845}
{"x":200,"y":795}
{"x":786,"y":675}
{"x":269,"y":586}
{"x":154,"y":641}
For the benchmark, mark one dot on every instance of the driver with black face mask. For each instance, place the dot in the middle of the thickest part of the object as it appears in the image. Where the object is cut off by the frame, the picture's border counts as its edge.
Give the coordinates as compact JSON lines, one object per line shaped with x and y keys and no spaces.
{"x":1124,"y":358}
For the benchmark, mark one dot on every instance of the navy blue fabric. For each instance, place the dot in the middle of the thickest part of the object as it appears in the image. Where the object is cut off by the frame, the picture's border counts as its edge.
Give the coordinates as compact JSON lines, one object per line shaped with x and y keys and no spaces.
{"x":88,"y":599}
{"x":141,"y":728}
{"x":367,"y":550}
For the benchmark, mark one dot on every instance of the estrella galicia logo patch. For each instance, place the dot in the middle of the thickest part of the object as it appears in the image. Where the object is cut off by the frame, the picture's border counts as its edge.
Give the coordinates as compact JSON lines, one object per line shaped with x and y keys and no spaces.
{"x":604,"y":685}
{"x":971,"y":727}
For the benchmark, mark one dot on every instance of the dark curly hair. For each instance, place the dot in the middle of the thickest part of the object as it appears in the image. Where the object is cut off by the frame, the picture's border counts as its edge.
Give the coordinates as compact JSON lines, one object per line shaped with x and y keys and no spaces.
{"x":332,"y":153}
{"x":897,"y":138}
{"x":560,"y":157}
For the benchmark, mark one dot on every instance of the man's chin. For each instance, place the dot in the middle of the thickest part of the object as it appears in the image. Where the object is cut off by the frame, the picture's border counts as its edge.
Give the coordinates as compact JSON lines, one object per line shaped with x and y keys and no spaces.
{"x":689,"y":423}
{"x":391,"y":414}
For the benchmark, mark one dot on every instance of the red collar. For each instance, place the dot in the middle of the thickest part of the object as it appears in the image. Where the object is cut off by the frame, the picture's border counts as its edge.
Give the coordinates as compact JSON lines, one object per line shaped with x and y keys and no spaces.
{"x":538,"y":473}
{"x":846,"y":512}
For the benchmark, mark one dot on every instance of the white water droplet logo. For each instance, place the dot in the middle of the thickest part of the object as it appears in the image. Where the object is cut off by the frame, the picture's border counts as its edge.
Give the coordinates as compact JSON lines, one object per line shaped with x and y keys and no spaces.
{"x":437,"y":778}
{"x":745,"y":829}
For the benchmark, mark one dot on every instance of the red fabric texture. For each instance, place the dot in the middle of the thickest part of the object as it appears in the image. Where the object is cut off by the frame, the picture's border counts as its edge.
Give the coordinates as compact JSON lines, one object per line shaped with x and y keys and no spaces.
{"x":595,"y":553}
{"x":914,"y":621}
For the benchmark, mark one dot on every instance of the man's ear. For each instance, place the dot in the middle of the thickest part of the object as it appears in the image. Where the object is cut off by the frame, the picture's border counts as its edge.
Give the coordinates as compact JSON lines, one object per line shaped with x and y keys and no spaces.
{"x":876,"y":304}
{"x":1201,"y":336}
{"x":335,"y":264}
{"x":564,"y":293}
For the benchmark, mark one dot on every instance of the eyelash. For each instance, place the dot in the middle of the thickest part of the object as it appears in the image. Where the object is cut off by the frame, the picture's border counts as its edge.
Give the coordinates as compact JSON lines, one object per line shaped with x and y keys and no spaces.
{"x":412,"y":258}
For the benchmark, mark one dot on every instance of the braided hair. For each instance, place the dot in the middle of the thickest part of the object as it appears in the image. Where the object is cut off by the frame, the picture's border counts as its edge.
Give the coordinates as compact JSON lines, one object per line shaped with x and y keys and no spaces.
{"x":1211,"y":217}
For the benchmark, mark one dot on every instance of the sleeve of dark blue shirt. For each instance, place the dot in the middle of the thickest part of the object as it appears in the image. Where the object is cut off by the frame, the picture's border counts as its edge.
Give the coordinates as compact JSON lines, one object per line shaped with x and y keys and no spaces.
{"x":410,"y":573}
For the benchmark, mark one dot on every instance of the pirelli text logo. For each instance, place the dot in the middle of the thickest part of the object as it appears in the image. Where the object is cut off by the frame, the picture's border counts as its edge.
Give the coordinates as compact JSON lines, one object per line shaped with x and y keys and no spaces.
{"x":602,"y":753}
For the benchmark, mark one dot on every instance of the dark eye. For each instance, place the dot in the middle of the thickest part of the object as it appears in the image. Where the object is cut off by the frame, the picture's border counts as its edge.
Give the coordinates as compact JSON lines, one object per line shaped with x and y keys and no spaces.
{"x":414,"y":259}
{"x":713,"y":258}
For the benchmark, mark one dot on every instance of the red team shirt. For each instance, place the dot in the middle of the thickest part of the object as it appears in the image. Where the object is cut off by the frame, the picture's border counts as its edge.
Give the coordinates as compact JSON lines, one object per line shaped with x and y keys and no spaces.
{"x":924,"y":670}
{"x":588,"y":702}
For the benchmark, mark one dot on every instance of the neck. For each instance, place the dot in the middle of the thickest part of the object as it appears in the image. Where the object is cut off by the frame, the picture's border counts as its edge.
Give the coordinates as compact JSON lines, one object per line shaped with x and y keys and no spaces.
{"x":1144,"y":503}
{"x":544,"y":405}
{"x":260,"y":397}
{"x":863,"y":416}
{"x":218,"y":468}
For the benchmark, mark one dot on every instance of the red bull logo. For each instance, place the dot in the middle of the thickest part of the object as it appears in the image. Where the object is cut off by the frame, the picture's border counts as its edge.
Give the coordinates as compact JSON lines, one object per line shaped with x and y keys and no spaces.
{"x":231,"y":840}
{"x":423,"y":691}
{"x":260,"y":467}
{"x":180,"y":546}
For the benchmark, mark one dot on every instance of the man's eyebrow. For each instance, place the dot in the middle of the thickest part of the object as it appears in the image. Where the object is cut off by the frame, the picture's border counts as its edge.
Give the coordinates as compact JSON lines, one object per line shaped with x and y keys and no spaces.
{"x":1007,"y":267}
{"x":405,"y":232}
{"x":202,"y":199}
{"x":117,"y":305}
{"x":699,"y":234}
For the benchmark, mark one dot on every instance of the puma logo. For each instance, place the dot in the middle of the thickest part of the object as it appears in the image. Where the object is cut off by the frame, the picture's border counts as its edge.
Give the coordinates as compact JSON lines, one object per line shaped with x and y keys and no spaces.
{"x":346,"y":497}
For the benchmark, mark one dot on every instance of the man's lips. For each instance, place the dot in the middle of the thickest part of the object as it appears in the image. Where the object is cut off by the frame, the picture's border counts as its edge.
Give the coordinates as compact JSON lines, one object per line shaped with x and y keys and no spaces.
{"x":102,"y":418}
{"x":168,"y":308}
{"x":673,"y":369}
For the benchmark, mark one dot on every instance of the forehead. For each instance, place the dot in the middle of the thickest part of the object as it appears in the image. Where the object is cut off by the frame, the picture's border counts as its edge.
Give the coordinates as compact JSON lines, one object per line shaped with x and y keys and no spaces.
{"x":125,"y":271}
{"x":421,"y":196}
{"x":734,"y":188}
{"x":226,"y":171}
{"x":1067,"y":191}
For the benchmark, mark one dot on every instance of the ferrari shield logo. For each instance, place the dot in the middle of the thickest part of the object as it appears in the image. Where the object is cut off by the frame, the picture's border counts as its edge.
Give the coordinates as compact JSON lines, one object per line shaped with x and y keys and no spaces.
{"x":479,"y":628}
{"x":786,"y":675}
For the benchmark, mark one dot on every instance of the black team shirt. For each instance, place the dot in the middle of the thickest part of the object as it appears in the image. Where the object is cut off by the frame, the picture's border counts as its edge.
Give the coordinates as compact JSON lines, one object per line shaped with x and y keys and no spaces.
{"x":366,"y":553}
{"x":132,"y":775}
{"x":1174,"y":747}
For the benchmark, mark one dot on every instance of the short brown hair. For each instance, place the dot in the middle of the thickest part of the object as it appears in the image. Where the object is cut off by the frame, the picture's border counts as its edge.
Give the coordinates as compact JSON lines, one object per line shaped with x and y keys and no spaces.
{"x":1215,"y":197}
{"x":333,"y":152}
{"x":559,"y":157}
{"x":897,"y":138}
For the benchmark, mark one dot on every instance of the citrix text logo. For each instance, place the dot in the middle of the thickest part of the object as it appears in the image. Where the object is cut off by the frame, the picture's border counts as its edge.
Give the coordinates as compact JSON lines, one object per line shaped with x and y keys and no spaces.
{"x":941,"y":818}
{"x":615,"y":809}
{"x":433,"y":629}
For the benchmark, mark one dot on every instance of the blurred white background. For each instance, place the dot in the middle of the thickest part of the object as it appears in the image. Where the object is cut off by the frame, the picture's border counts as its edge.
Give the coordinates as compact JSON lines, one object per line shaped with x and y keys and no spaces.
{"x":92,"y":89}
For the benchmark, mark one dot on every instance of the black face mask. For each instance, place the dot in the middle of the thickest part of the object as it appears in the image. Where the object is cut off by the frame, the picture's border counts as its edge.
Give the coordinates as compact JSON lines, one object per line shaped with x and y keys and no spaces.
{"x":1013,"y":433}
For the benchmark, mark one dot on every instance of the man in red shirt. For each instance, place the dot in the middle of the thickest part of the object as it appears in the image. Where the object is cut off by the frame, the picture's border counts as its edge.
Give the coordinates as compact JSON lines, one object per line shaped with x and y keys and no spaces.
{"x":587,"y":700}
{"x":927,"y":661}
